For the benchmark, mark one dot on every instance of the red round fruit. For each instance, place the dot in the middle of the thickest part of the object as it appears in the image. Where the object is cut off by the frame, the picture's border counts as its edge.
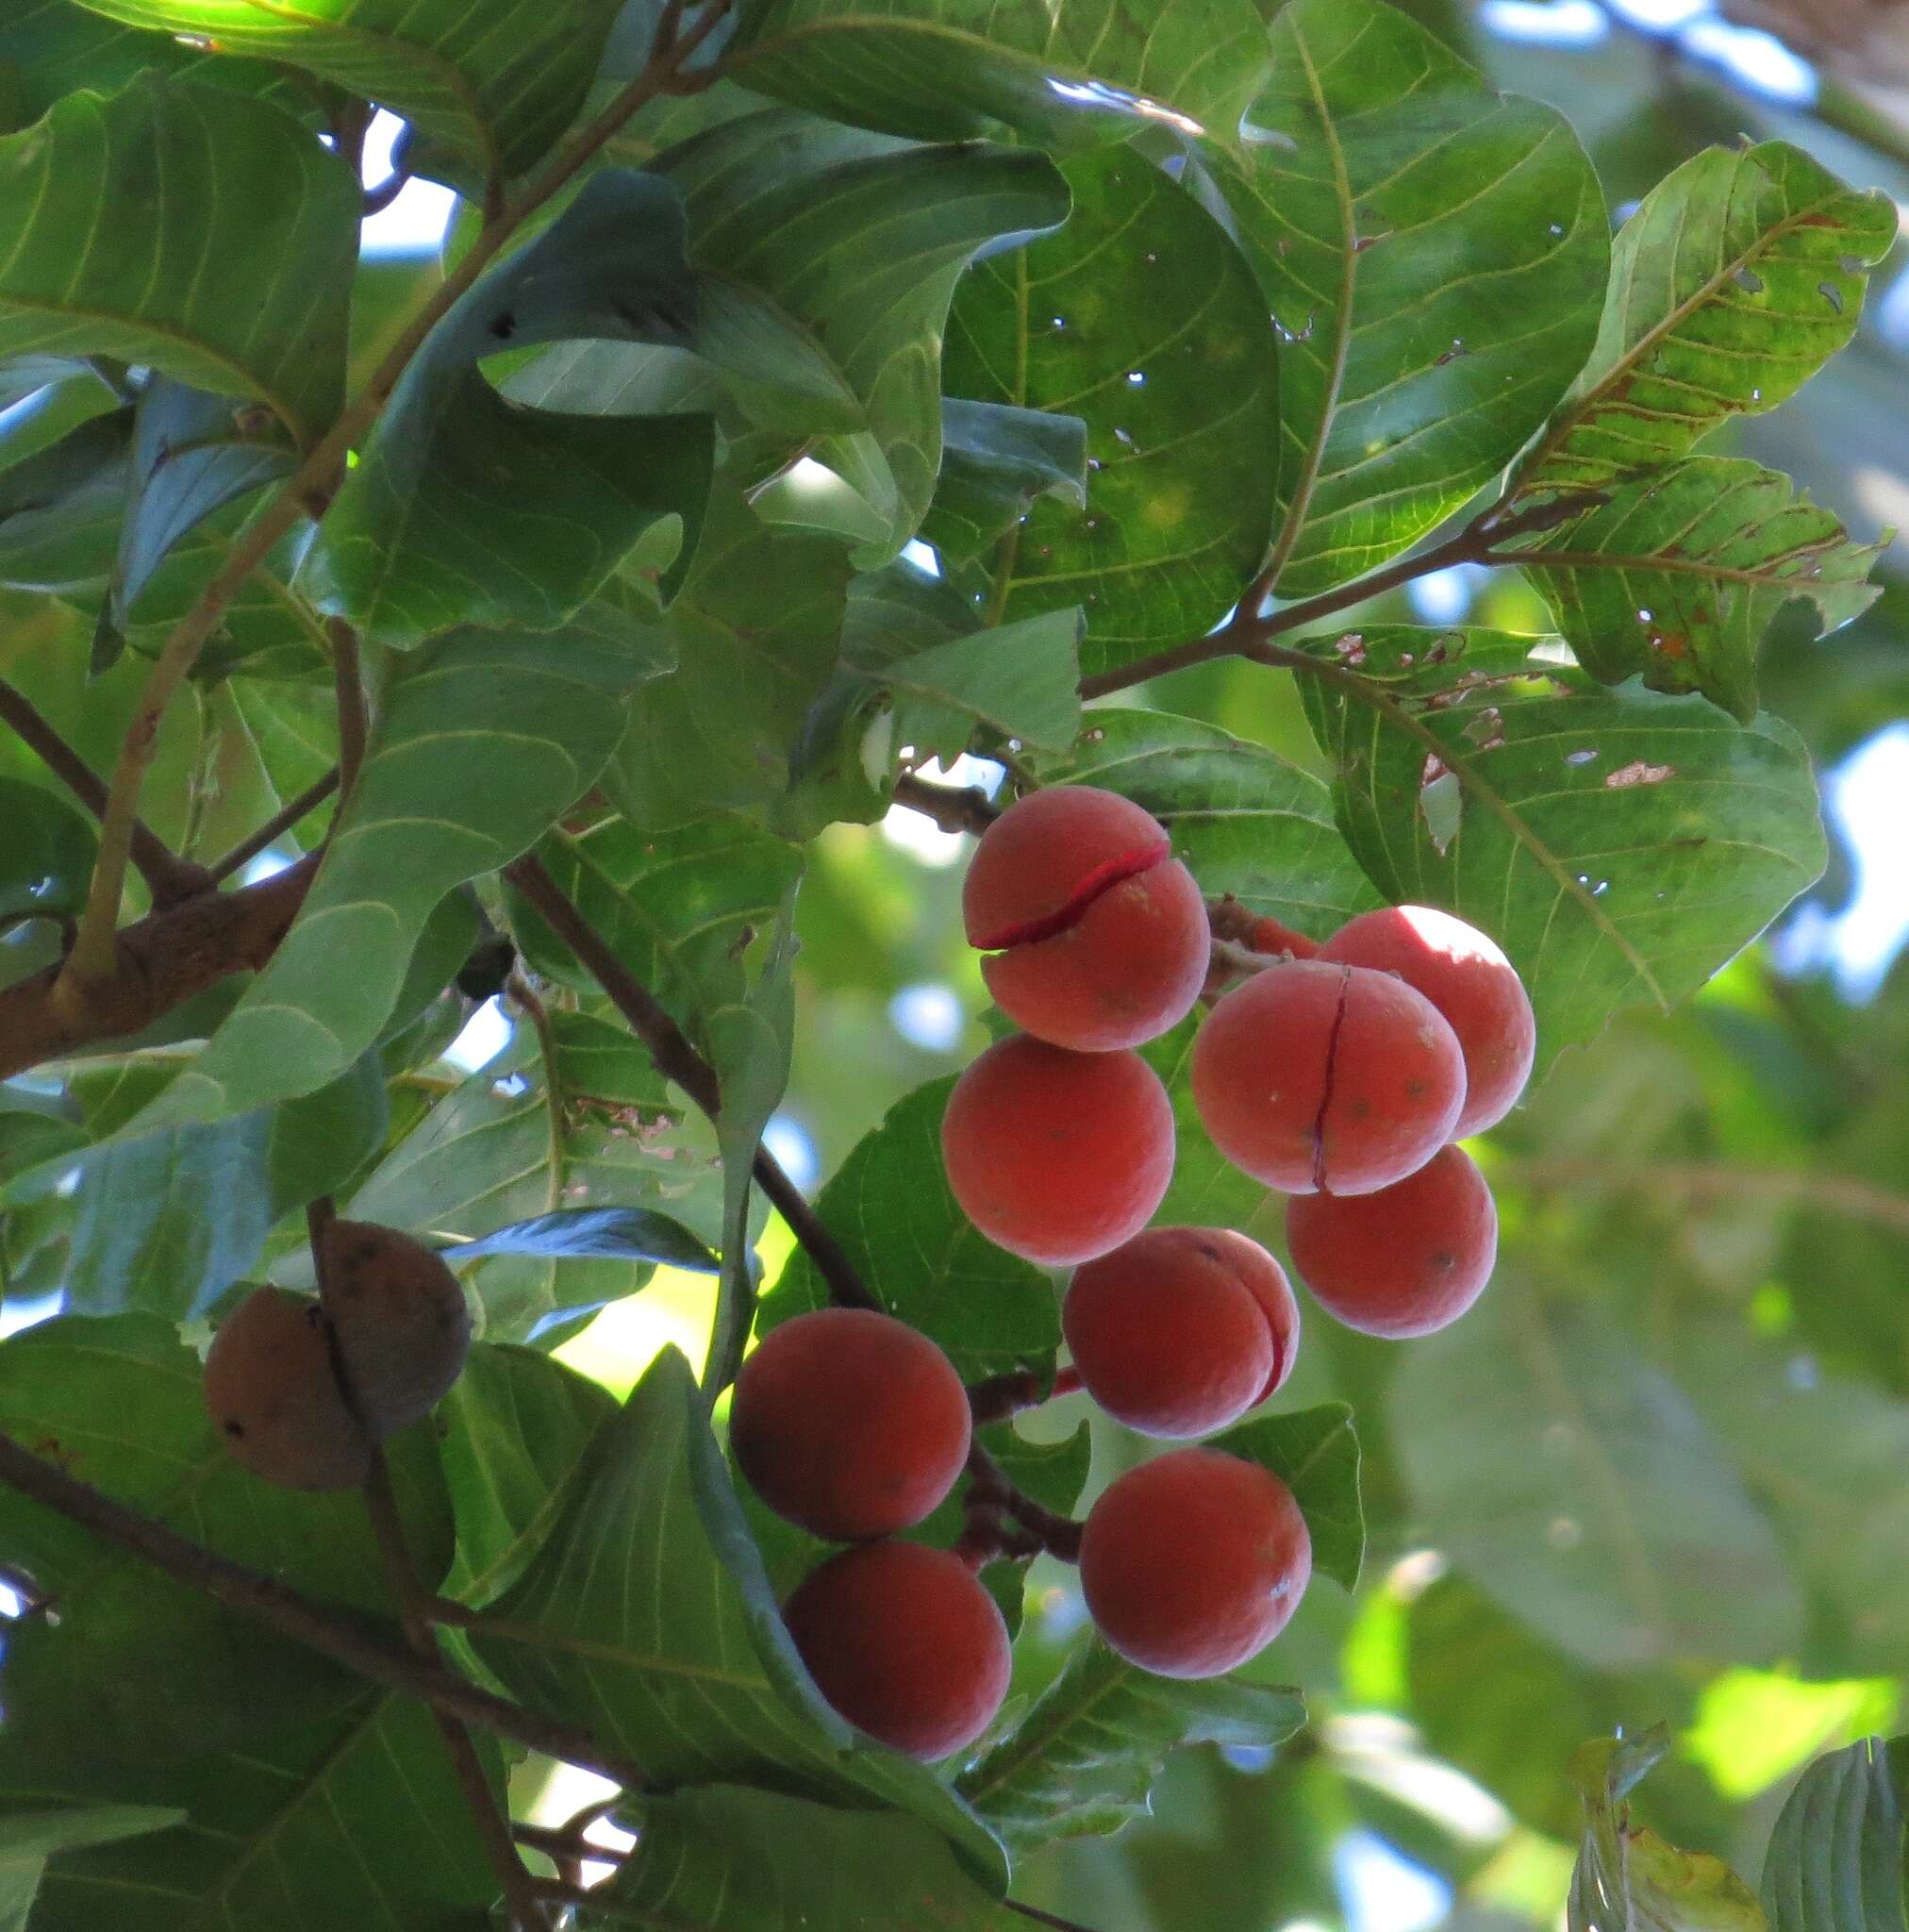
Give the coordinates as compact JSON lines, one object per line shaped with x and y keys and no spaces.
{"x":849,"y":1422}
{"x":1405,"y":1261}
{"x":1057,"y":1157}
{"x":905,"y":1643}
{"x":1312,"y":1075}
{"x":1169,"y":1337}
{"x":1193,"y":1562}
{"x":1098,"y":935}
{"x":1265,"y":1280}
{"x":1470,"y":982}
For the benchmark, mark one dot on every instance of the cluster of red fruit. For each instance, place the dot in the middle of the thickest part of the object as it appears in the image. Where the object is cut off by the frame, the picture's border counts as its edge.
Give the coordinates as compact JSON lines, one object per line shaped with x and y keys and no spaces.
{"x":1339,"y":1074}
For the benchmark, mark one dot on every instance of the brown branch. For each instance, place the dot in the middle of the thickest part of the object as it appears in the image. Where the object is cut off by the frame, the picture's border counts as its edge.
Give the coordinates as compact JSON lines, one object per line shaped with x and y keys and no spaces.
{"x":92,"y":964}
{"x":331,"y":1632}
{"x":953,"y":807}
{"x":1001,"y":1396}
{"x":988,"y":1488}
{"x":1240,"y":635}
{"x":169,"y":877}
{"x":161,"y":961}
{"x":347,"y":680}
{"x":276,"y":827}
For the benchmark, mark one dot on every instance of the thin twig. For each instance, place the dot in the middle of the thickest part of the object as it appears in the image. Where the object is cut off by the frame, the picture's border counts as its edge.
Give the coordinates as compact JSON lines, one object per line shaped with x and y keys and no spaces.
{"x":1042,"y":1918}
{"x":169,"y":877}
{"x":1001,"y":1396}
{"x":1247,"y":629}
{"x":92,"y":961}
{"x":276,"y":827}
{"x":331,"y":1632}
{"x":378,"y":199}
{"x":953,"y":807}
{"x":348,"y":692}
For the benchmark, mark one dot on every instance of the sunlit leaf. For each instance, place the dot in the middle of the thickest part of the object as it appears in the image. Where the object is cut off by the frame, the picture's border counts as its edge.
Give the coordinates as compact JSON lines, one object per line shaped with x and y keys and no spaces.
{"x":1315,"y":1453}
{"x":1432,"y":252}
{"x":1738,"y":277}
{"x":272,"y":207}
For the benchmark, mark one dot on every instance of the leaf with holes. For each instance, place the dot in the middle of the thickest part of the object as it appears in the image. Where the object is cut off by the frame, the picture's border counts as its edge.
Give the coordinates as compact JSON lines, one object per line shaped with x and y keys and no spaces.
{"x":1619,"y":844}
{"x":515,"y":1425}
{"x":135,"y":1662}
{"x":1432,"y":251}
{"x":1740,"y":276}
{"x":1628,"y":1875}
{"x":467,"y":508}
{"x":264,"y":200}
{"x":1677,"y":575}
{"x":1836,"y":1861}
{"x":358,"y":1819}
{"x":497,"y":81}
{"x":482,"y":741}
{"x":996,"y":460}
{"x":1141,"y":317}
{"x":647,"y":1616}
{"x":1065,"y":73}
{"x":891,"y":1208}
{"x":1315,"y":1453}
{"x":1086,"y":1754}
{"x":1579,"y":1488}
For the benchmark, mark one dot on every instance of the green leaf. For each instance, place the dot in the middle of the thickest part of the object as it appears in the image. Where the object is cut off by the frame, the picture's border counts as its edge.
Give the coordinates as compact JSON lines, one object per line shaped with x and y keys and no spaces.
{"x":1633,"y":1878}
{"x":1578,"y":1487}
{"x":1206,"y":1189}
{"x":1677,"y":576}
{"x":253,"y":192}
{"x":515,"y":1425}
{"x":861,"y":241}
{"x":605,"y":1234}
{"x":679,"y":907}
{"x":1142,"y":318}
{"x":1315,"y":1453}
{"x":1245,"y":821}
{"x":758,"y":1861}
{"x":1740,"y":276}
{"x":481,"y":741}
{"x":751,"y":1042}
{"x":891,"y":1208}
{"x":1071,"y":72}
{"x":995,"y":462}
{"x":46,"y":862}
{"x":169,"y":1221}
{"x":192,"y":453}
{"x":600,"y":1061}
{"x":497,"y":82}
{"x":354,"y":1821}
{"x":1432,"y":252}
{"x":1018,"y":683}
{"x":1084,"y":1758}
{"x":1835,"y":1861}
{"x":646,"y":1615}
{"x":1619,"y":845}
{"x":754,"y":634}
{"x":137,"y":1664}
{"x":467,"y":508}
{"x":61,"y":508}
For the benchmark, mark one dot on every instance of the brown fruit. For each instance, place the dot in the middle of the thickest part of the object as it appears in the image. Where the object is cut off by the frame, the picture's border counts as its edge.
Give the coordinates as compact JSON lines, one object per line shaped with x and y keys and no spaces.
{"x":271,"y":1389}
{"x":402,"y":1326}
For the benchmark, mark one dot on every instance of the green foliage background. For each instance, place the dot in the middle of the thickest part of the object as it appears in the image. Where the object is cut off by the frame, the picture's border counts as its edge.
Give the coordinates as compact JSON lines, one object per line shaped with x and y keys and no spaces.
{"x":876,"y":287}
